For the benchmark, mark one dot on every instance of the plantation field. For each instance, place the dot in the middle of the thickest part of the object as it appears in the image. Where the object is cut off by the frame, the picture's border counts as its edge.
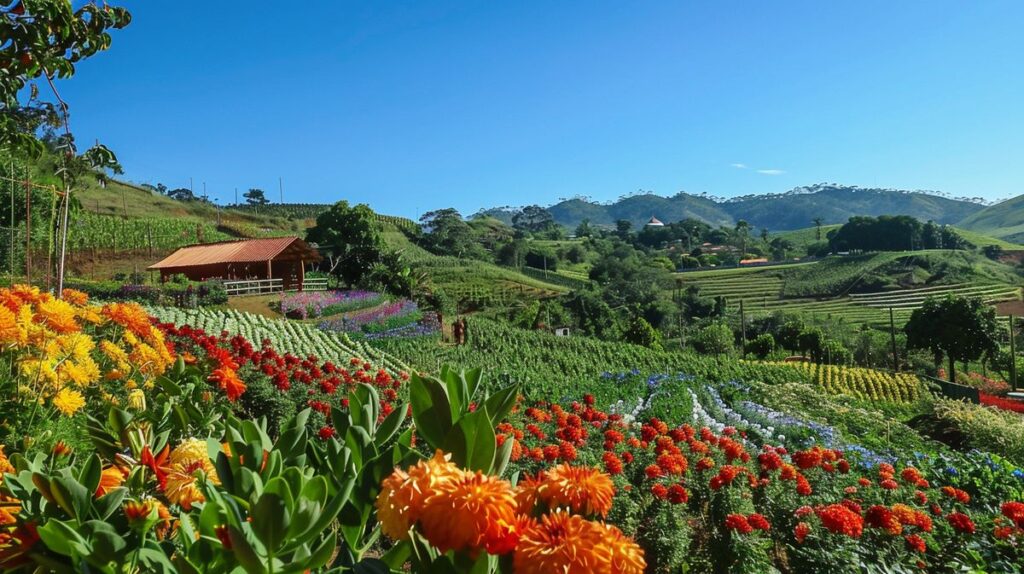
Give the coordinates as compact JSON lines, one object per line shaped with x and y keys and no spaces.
{"x":474,"y":284}
{"x":824,"y":288}
{"x":295,"y":337}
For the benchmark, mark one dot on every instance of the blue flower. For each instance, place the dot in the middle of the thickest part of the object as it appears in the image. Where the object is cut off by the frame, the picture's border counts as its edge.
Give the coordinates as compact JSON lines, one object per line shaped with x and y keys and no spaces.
{"x":1019,"y":473}
{"x":951,"y":471}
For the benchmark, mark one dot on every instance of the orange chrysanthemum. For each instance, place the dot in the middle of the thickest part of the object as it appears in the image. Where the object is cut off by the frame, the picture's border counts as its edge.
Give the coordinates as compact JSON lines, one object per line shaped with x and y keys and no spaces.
{"x":131,"y":316}
{"x":471,"y":512}
{"x":58,"y":316}
{"x":74,"y":296}
{"x":626,"y":555}
{"x":563,"y":543}
{"x":9,"y":332}
{"x":527,"y":492}
{"x":403,"y":493}
{"x":582,"y":490}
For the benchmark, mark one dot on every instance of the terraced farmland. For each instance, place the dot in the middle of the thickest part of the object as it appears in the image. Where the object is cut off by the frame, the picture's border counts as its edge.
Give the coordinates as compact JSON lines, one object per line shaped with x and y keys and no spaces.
{"x":763,"y":292}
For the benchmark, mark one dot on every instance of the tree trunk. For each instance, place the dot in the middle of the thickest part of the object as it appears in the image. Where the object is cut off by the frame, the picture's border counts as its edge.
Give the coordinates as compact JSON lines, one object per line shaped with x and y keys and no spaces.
{"x":952,"y":369}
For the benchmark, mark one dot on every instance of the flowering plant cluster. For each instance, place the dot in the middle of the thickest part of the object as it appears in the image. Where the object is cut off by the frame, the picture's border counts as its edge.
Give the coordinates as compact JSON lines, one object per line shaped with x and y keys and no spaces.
{"x":62,"y":354}
{"x":310,"y":304}
{"x":389,"y":316}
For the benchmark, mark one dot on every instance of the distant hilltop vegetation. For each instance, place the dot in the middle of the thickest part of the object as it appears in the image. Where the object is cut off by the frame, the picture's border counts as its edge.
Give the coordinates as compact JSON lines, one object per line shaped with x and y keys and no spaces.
{"x":795,"y":209}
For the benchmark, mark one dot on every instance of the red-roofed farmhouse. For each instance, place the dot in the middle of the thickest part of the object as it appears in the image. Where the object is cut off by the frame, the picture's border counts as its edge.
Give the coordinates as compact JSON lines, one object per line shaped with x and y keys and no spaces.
{"x":274,"y":258}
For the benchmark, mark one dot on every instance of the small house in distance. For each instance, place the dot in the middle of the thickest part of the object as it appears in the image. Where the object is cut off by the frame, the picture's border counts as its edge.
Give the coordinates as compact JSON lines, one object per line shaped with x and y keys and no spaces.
{"x":654,"y":222}
{"x":272,"y":258}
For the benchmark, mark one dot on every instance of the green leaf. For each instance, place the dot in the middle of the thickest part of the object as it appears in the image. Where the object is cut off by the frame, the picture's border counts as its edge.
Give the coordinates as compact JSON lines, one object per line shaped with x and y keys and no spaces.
{"x":500,"y":403}
{"x":90,"y":474}
{"x":63,"y":539}
{"x":244,"y":552}
{"x":390,"y":426}
{"x":431,"y":410}
{"x":272,"y":514}
{"x":472,"y":442}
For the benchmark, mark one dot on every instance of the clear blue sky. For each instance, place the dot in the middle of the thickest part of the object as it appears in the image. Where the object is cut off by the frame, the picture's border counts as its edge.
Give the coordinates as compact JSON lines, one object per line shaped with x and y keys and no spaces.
{"x":419,"y":105}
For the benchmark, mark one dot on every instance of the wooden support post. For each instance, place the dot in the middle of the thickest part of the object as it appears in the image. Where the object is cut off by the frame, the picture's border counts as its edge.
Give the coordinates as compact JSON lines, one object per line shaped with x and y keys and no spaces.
{"x":743,"y":331}
{"x":1013,"y":355}
{"x":892,"y":334}
{"x":302,"y":274}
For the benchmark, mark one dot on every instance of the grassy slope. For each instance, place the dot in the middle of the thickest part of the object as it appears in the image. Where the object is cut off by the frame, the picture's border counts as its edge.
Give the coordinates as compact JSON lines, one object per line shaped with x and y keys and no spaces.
{"x":1002,"y":220}
{"x":808,"y":235}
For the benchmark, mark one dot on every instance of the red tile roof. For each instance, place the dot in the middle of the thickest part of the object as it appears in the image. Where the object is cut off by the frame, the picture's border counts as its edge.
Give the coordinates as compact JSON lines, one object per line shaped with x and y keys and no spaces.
{"x":242,"y":251}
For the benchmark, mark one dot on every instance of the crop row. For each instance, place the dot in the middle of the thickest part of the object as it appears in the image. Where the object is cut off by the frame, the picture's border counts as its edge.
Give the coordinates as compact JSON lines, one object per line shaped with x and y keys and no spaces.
{"x":867,"y":384}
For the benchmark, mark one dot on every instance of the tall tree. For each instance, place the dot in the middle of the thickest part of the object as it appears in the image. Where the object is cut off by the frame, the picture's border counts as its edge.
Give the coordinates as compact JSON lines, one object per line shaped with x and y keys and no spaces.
{"x":533,"y":218}
{"x":742,"y":230}
{"x":445,"y":232}
{"x":255,"y":197}
{"x":959,"y":328}
{"x":817,"y":226}
{"x":351,"y":239}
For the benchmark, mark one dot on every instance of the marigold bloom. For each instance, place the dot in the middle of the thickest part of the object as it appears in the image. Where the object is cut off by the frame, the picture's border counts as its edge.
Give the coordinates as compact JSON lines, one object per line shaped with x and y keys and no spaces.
{"x":1014,"y":511}
{"x":626,"y":556}
{"x":582,"y":490}
{"x":135,"y":511}
{"x":738,"y":523}
{"x":227,"y":380}
{"x":68,"y":401}
{"x":471,"y":512}
{"x":882,"y":518}
{"x":961,"y":522}
{"x":915,"y":543}
{"x":839,"y":519}
{"x":759,"y":522}
{"x":403,"y":494}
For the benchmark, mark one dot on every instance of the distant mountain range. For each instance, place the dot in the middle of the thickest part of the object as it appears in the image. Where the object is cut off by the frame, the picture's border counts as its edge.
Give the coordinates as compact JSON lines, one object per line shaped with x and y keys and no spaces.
{"x":794,"y":209}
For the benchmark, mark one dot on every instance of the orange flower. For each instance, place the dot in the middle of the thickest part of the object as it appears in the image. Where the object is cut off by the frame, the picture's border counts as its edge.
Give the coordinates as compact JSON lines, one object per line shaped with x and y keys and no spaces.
{"x":471,"y":512}
{"x":403,"y":495}
{"x":15,"y":546}
{"x":228,"y":381}
{"x":131,"y":316}
{"x":583,"y":490}
{"x":527,"y":492}
{"x":58,"y":316}
{"x":9,"y":332}
{"x":626,"y":556}
{"x":136,"y":511}
{"x":74,"y":296}
{"x":563,"y":543}
{"x":111,"y":478}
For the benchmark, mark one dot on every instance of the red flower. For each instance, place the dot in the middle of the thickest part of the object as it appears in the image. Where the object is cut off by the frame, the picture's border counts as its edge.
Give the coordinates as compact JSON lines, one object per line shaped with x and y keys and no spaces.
{"x":961,"y":522}
{"x":612,"y":464}
{"x":801,"y":531}
{"x":759,"y":522}
{"x":839,"y":519}
{"x":677,"y":494}
{"x":884,"y":519}
{"x":659,"y":491}
{"x":738,"y":523}
{"x":326,"y":433}
{"x":1014,"y":511}
{"x":915,"y":543}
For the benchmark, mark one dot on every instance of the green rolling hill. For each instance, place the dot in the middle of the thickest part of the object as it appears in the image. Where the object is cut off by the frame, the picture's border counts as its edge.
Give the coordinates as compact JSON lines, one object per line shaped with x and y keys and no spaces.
{"x":1004,"y":220}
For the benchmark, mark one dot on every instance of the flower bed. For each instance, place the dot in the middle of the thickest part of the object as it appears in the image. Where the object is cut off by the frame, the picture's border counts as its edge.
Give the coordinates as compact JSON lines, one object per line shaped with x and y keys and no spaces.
{"x":395,"y":319}
{"x":648,"y":474}
{"x":312,"y":304}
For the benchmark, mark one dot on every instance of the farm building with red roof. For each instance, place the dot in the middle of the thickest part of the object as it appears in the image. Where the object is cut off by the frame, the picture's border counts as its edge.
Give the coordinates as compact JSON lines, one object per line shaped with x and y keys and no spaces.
{"x":273,"y":258}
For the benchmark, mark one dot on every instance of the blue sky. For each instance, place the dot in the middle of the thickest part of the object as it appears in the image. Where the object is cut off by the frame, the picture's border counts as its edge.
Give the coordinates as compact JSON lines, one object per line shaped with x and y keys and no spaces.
{"x":419,"y":105}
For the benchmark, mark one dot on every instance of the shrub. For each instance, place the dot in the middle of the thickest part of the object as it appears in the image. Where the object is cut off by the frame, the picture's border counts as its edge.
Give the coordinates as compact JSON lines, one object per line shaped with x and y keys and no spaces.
{"x":714,"y":339}
{"x":762,"y":346}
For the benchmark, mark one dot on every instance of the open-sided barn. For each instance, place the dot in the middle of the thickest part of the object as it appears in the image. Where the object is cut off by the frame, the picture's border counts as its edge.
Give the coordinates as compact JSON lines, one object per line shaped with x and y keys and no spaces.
{"x":273,"y":258}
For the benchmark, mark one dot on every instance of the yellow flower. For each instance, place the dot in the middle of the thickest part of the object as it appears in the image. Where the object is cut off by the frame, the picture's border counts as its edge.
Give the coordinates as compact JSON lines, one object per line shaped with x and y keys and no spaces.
{"x":78,"y":346}
{"x":113,"y":351}
{"x":68,"y":401}
{"x":183,"y":482}
{"x":80,"y":373}
{"x":148,"y":360}
{"x":38,"y":371}
{"x":89,"y":314}
{"x":58,"y":315}
{"x":403,"y":494}
{"x":137,"y":400}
